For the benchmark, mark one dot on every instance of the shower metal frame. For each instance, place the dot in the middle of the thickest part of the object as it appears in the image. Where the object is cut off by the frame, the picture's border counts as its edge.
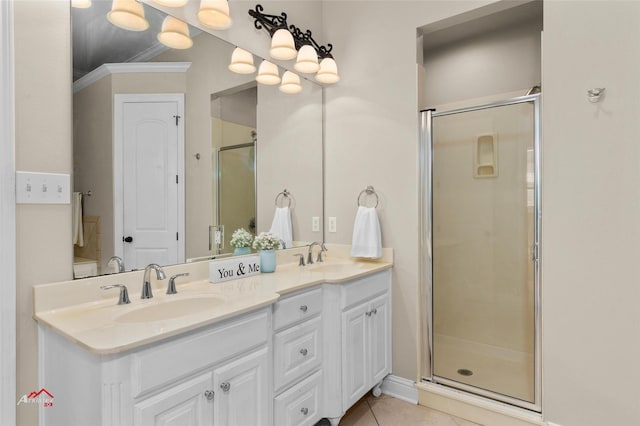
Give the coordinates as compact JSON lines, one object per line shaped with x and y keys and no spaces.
{"x":426,"y":251}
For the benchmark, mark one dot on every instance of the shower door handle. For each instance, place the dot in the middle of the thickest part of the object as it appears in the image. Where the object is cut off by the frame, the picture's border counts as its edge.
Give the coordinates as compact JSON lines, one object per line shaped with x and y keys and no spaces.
{"x":534,"y":252}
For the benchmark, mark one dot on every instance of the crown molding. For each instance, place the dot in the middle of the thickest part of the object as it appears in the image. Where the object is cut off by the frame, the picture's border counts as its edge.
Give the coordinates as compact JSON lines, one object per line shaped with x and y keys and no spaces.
{"x":128,"y":67}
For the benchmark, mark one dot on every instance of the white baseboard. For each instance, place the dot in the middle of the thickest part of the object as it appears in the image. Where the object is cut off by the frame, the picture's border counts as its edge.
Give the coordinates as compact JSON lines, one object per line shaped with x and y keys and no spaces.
{"x":400,"y":388}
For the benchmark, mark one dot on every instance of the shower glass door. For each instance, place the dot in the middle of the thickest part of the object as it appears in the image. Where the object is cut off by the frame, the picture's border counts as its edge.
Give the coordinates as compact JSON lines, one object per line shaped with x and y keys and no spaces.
{"x":484,"y":248}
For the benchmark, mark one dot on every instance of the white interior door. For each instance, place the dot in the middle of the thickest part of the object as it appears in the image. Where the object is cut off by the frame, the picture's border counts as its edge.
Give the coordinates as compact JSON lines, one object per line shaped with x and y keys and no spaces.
{"x":152,"y":202}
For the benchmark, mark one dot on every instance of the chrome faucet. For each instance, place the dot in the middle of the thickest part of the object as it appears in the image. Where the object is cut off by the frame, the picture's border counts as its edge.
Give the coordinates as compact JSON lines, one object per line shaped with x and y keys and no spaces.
{"x":171,"y":288}
{"x":118,"y":261}
{"x":124,"y":294}
{"x":310,"y":256}
{"x":146,"y":285}
{"x":323,"y":248}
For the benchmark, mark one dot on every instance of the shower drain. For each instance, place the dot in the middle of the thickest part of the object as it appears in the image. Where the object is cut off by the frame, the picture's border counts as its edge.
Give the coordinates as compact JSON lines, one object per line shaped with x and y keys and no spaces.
{"x":465,"y":372}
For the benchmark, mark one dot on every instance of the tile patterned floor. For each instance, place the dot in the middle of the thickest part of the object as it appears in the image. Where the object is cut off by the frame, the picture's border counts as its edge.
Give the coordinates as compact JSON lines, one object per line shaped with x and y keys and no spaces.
{"x":389,"y":411}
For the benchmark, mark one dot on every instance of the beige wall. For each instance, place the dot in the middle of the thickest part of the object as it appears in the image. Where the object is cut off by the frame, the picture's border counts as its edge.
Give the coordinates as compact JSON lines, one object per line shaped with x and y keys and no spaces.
{"x":43,"y":144}
{"x":591,"y":206}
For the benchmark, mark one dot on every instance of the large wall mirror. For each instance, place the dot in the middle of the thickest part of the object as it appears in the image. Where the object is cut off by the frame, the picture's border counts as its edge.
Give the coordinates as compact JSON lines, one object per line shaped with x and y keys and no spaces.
{"x":218,"y":151}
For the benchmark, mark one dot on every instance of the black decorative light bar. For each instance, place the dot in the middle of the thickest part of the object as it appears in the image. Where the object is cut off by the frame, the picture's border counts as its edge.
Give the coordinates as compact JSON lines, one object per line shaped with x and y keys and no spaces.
{"x":272,"y":23}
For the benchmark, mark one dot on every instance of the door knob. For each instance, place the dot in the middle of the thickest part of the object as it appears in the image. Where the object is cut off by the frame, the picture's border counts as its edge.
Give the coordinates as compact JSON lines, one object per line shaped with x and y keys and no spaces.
{"x":128,"y":239}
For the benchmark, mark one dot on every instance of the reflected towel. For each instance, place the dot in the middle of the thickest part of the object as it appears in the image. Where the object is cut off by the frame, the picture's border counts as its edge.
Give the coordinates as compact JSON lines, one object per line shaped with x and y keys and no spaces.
{"x":366,"y":241}
{"x":76,"y":205}
{"x":281,"y":225}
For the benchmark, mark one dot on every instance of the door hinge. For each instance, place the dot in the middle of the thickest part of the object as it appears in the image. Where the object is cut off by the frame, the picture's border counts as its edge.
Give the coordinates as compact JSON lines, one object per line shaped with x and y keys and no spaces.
{"x":177,"y":117}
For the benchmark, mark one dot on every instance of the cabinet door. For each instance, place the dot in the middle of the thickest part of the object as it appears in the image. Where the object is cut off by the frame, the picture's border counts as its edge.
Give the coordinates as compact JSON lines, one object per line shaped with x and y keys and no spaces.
{"x":380,"y":338}
{"x":355,"y":364}
{"x":185,"y":404}
{"x":242,"y":394}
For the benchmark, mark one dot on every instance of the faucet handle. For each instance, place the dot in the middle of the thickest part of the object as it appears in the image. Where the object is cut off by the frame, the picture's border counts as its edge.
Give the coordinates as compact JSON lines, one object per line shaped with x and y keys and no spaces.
{"x":171,"y":287}
{"x":124,"y":294}
{"x":301,"y":261}
{"x":323,"y":248}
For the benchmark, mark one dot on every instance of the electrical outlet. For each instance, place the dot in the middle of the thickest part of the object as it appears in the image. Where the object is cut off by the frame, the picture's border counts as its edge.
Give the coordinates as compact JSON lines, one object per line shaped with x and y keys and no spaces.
{"x":43,"y":188}
{"x":332,"y":224}
{"x":315,"y":224}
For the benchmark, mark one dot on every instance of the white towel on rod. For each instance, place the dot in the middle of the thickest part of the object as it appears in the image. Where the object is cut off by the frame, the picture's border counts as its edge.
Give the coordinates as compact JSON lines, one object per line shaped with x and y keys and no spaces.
{"x":78,"y":233}
{"x":281,"y":225}
{"x":367,"y":240}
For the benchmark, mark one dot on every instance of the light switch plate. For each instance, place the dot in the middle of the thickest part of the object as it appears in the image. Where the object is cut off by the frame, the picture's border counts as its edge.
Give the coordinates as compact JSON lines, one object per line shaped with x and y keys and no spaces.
{"x":43,"y":188}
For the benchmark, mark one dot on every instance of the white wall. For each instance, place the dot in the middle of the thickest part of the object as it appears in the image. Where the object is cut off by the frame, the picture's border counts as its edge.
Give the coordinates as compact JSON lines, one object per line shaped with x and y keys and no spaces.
{"x":591,"y":206}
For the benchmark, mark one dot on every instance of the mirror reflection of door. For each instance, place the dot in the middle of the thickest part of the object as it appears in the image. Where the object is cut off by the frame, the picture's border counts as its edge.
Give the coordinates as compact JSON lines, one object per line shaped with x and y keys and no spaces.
{"x":148,"y":131}
{"x":234,"y":163}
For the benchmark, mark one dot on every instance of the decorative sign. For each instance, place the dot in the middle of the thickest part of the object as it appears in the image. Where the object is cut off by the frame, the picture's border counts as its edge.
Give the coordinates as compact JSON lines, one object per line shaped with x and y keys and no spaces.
{"x":233,"y":268}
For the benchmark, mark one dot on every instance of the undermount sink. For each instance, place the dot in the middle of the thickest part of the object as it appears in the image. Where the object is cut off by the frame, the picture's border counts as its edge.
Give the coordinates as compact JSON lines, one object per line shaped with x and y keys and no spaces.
{"x":334,"y":267}
{"x":171,"y":309}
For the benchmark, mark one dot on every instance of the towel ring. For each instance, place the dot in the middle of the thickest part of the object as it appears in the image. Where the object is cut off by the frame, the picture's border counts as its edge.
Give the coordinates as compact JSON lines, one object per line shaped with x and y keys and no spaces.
{"x":368,"y":191}
{"x":282,"y":196}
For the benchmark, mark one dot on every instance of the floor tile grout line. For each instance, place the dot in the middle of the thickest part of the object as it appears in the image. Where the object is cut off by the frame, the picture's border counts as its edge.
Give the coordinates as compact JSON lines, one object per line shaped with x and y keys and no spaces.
{"x":372,"y":412}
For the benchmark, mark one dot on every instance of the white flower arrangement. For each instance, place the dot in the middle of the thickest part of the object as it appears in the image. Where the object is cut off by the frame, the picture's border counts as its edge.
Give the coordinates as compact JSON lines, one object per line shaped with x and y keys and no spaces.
{"x":241,"y":238}
{"x":266,"y":241}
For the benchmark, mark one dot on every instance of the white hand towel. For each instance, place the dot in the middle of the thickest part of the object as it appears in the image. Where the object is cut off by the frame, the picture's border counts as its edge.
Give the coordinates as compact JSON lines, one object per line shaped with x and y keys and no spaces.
{"x":281,"y":225}
{"x":78,"y":234}
{"x":366,"y":241}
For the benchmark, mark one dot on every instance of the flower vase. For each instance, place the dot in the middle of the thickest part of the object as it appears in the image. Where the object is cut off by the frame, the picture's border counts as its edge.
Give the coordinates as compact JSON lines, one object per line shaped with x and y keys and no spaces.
{"x":239,"y":251}
{"x":267,"y":260}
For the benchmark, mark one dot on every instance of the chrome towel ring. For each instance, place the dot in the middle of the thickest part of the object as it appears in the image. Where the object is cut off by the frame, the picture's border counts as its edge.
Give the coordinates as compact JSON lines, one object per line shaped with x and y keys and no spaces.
{"x":284,"y":195}
{"x":368,"y":191}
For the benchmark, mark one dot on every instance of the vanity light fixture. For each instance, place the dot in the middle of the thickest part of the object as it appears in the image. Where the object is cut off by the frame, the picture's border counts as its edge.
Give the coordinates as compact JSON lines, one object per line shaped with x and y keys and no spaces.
{"x":268,"y":73}
{"x":214,"y":14}
{"x":171,"y":3}
{"x":290,"y":83}
{"x":286,"y":39}
{"x":128,"y":14}
{"x":81,"y":4}
{"x":175,"y":34}
{"x":242,"y":61}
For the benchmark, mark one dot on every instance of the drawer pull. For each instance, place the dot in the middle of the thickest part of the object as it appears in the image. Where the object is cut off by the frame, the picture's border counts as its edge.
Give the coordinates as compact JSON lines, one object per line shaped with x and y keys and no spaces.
{"x":225,"y":386}
{"x":303,"y":351}
{"x":209,"y":394}
{"x":304,"y":411}
{"x":303,"y":308}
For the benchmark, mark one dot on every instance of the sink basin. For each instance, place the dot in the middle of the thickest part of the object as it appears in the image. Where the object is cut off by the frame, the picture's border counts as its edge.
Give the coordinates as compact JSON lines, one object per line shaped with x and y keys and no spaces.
{"x":334,"y":267}
{"x":171,"y":309}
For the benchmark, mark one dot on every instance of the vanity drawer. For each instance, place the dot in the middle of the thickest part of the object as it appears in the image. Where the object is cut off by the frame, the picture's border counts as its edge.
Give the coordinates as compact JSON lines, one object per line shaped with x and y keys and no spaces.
{"x":297,"y":351}
{"x":297,"y":308}
{"x":150,"y":368}
{"x":300,"y":405}
{"x":365,"y":288}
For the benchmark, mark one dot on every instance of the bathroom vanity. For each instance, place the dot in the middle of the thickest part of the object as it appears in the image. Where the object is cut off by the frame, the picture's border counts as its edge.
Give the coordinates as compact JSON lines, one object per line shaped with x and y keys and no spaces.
{"x":287,"y":348}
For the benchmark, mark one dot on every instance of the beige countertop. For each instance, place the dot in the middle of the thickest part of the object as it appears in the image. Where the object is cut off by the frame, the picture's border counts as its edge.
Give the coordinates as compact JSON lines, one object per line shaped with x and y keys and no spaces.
{"x":90,"y":317}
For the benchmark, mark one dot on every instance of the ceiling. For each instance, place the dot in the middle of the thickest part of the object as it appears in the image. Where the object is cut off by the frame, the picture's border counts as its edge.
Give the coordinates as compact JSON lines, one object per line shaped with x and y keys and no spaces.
{"x":96,"y":41}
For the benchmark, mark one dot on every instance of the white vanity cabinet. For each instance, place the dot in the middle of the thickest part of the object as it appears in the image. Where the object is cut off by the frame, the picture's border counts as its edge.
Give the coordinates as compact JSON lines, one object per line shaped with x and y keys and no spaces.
{"x":297,"y":358}
{"x":217,"y":375}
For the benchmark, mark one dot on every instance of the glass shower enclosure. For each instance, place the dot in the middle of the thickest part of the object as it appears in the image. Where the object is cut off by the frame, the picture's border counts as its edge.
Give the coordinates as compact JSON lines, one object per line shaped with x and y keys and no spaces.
{"x":480,"y":244}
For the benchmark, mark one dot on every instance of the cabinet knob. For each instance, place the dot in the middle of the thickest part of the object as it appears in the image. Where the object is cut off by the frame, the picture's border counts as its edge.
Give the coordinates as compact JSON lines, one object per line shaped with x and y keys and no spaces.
{"x":304,"y":410}
{"x":225,"y":386}
{"x":303,"y":308}
{"x":303,"y":351}
{"x":368,"y":313}
{"x":374,"y":311}
{"x":209,"y":394}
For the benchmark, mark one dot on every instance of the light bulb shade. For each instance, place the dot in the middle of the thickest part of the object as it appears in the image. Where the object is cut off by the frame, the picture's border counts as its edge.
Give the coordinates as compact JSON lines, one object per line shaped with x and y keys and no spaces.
{"x":290,"y":83}
{"x":282,"y":45}
{"x":307,"y":61}
{"x":171,"y":3}
{"x":241,"y":61}
{"x":328,"y":72}
{"x":268,"y":73}
{"x":214,"y":14}
{"x":175,"y":34}
{"x":81,"y":4}
{"x":128,"y":14}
